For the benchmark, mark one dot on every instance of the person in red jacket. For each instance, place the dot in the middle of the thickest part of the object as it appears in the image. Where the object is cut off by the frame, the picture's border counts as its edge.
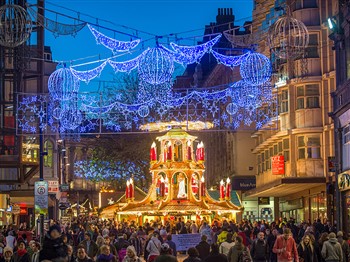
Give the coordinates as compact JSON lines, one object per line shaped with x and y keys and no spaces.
{"x":286,"y":248}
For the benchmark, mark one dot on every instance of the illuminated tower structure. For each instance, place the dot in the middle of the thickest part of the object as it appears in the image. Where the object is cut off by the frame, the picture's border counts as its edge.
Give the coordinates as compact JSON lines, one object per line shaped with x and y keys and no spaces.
{"x":178,"y":182}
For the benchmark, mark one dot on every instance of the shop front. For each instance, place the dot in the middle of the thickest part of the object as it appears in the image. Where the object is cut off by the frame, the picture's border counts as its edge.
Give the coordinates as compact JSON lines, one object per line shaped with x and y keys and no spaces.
{"x":344,"y":188}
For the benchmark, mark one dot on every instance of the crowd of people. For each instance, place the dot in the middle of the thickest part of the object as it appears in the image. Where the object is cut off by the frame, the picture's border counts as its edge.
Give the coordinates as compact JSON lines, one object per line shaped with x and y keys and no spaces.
{"x":89,"y":239}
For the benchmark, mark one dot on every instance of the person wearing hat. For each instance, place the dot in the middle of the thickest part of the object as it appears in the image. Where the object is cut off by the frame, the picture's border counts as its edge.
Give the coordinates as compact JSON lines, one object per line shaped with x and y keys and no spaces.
{"x":165,"y":254}
{"x":344,"y":245}
{"x":8,"y":252}
{"x":53,"y":246}
{"x":331,"y":249}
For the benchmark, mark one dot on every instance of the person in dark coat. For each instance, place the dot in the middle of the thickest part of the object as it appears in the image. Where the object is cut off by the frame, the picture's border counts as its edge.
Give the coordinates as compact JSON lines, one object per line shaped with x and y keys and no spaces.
{"x":214,"y":255}
{"x":203,"y":248}
{"x":21,"y":255}
{"x":306,"y":250}
{"x":260,"y":249}
{"x":106,"y":255}
{"x":193,"y":255}
{"x":171,"y":244}
{"x":53,"y":247}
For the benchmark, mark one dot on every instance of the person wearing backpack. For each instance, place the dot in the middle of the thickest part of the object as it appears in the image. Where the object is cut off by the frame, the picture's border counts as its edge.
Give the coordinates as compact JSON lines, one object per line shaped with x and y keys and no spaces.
{"x":345,"y":246}
{"x":331,"y":250}
{"x":239,"y":252}
{"x":260,"y":249}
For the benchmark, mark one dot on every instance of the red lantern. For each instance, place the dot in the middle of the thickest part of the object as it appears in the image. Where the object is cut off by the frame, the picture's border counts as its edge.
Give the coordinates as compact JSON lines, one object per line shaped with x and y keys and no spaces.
{"x":169,"y":152}
{"x":189,"y":151}
{"x":228,"y":188}
{"x":131,"y":188}
{"x":162,"y":187}
{"x":127,"y":190}
{"x":222,"y":189}
{"x":202,"y":187}
{"x":153,"y":152}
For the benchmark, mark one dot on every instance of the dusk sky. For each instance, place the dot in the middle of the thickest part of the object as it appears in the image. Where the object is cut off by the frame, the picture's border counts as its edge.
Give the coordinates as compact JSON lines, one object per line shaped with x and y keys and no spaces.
{"x":158,"y":17}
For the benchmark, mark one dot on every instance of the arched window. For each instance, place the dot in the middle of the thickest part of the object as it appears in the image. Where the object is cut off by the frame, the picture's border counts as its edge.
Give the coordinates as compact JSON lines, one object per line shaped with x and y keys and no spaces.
{"x":48,"y":159}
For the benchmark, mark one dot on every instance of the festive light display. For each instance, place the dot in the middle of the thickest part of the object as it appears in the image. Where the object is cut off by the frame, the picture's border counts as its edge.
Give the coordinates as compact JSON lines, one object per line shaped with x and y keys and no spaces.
{"x":195,"y":53}
{"x":63,"y":84}
{"x":88,"y":75}
{"x":15,"y":25}
{"x":99,"y":170}
{"x":155,"y":66}
{"x":288,"y":37}
{"x":256,"y":69}
{"x":113,"y":44}
{"x":212,"y":109}
{"x":230,"y":61}
{"x":125,"y":66}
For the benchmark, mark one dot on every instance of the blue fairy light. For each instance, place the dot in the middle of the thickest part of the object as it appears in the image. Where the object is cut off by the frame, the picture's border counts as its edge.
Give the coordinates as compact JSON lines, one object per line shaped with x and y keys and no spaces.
{"x":126,"y":66}
{"x":195,"y":53}
{"x":255,"y":69}
{"x":63,"y":84}
{"x":230,"y":61}
{"x":113,"y":44}
{"x":156,"y":66}
{"x":88,"y":75}
{"x":143,"y":111}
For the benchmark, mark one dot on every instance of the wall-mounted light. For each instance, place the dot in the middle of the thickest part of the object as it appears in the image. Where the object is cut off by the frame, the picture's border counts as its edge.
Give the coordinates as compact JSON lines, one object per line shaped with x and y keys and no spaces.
{"x":332,"y":24}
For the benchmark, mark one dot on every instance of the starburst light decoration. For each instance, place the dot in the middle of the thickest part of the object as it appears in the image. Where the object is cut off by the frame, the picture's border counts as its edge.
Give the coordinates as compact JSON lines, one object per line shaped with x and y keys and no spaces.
{"x":15,"y":25}
{"x":63,"y":84}
{"x":113,"y":44}
{"x":255,"y":69}
{"x":156,"y":66}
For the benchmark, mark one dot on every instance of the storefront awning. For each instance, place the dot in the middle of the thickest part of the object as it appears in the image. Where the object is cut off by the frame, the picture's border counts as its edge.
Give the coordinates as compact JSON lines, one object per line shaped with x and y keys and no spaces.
{"x":285,"y":186}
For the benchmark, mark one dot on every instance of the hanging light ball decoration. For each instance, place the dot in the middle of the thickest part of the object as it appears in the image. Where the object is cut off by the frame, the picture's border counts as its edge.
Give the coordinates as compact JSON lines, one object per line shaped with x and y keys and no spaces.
{"x":255,"y":69}
{"x":156,"y":66}
{"x":15,"y":25}
{"x":63,"y":84}
{"x":288,"y":37}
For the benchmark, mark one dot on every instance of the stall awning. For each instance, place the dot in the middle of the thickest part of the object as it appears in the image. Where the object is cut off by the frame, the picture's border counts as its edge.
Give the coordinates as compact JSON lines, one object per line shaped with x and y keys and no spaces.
{"x":286,"y":186}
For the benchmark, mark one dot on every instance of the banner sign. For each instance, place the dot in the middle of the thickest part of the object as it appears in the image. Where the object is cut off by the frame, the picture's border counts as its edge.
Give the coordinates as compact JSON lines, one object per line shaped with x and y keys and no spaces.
{"x":185,"y":241}
{"x":53,"y":186}
{"x":243,"y":183}
{"x":41,"y":191}
{"x":263,"y":201}
{"x":277,"y":163}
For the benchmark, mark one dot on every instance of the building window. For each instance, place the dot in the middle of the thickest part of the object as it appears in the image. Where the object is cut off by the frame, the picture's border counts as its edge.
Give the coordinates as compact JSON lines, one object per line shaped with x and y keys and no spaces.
{"x":48,"y":159}
{"x":346,"y":148}
{"x":262,"y":162}
{"x":283,"y":101}
{"x":312,"y":48}
{"x":309,"y":147}
{"x":300,"y":4}
{"x":308,"y":96}
{"x":286,"y":149}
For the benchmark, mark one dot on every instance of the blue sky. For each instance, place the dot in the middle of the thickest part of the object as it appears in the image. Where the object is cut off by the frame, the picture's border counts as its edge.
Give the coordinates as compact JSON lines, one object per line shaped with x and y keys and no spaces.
{"x":159,"y":17}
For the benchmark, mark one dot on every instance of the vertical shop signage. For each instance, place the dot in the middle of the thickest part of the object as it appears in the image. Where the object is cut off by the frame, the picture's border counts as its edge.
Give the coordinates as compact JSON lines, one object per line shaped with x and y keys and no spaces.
{"x":41,"y":190}
{"x":277,"y":163}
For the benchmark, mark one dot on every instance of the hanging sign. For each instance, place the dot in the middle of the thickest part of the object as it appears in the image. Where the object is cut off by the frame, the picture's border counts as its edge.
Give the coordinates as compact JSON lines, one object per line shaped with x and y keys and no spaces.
{"x":41,"y":191}
{"x":185,"y":241}
{"x":277,"y":163}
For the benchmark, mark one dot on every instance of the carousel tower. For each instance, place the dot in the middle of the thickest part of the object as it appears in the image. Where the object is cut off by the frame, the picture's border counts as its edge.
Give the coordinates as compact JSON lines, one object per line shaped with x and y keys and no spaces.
{"x":178,"y":181}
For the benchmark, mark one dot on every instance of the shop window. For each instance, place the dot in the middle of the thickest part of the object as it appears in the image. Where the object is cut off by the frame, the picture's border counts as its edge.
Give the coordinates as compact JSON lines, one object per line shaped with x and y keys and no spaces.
{"x":346,"y":148}
{"x":308,"y":96}
{"x":30,"y":149}
{"x":309,"y":147}
{"x":48,"y":159}
{"x":283,"y":101}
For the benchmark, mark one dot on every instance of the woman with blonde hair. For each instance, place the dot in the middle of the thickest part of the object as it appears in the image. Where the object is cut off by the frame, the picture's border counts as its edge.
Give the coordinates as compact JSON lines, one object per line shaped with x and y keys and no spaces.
{"x":306,"y":250}
{"x":100,"y":241}
{"x":131,"y":255}
{"x":106,"y":255}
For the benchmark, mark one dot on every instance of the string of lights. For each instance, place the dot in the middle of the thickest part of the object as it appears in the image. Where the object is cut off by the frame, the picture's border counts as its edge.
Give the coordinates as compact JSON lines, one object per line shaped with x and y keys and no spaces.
{"x":230,"y":61}
{"x":88,"y":75}
{"x":113,"y":44}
